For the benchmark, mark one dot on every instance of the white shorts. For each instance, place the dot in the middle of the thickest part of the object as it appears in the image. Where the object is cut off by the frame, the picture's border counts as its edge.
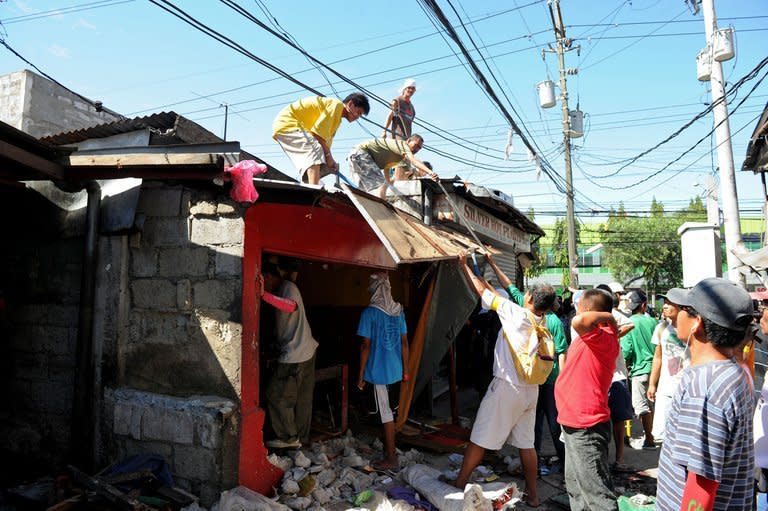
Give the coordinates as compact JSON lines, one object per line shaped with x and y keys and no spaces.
{"x":304,"y":151}
{"x":507,"y":414}
{"x":381,"y":393}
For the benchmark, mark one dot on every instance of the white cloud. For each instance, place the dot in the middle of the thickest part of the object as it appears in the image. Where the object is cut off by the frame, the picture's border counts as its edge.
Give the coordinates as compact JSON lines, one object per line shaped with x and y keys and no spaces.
{"x":82,"y":23}
{"x":23,"y":7}
{"x":59,"y":51}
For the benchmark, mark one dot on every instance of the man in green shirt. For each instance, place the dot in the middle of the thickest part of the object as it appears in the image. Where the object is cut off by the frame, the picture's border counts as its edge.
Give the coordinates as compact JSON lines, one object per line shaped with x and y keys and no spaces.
{"x":545,"y":407}
{"x":638,"y":350}
{"x":369,"y":162}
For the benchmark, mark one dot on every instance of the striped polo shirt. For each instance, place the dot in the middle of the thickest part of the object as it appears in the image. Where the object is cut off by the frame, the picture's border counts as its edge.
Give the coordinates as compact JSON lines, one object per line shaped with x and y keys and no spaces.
{"x":709,"y":432}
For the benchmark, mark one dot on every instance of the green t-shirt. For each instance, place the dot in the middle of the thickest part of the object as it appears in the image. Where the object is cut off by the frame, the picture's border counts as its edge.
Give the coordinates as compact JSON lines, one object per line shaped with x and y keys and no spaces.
{"x":386,"y":152}
{"x":636,"y":346}
{"x":555,"y":327}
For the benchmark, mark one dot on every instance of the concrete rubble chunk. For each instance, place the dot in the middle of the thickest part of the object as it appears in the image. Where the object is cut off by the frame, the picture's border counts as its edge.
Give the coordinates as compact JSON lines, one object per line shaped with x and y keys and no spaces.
{"x":301,"y":460}
{"x":289,"y":486}
{"x":377,"y":445}
{"x":284,"y":463}
{"x":300,"y":503}
{"x":320,"y":459}
{"x":326,"y":477}
{"x":322,"y":495}
{"x":298,"y":473}
{"x":354,"y":461}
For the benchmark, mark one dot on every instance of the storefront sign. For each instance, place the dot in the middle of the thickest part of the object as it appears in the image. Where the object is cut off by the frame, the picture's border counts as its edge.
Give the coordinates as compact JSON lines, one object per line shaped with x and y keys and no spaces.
{"x":483,"y":223}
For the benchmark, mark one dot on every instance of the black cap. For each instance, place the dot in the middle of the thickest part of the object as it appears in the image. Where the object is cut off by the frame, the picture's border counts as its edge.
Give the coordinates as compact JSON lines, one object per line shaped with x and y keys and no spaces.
{"x":635,"y":299}
{"x":721,"y":302}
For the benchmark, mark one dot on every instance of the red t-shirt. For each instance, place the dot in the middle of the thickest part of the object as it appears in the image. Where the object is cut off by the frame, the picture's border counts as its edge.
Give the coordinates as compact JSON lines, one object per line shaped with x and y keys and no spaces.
{"x":581,"y":389}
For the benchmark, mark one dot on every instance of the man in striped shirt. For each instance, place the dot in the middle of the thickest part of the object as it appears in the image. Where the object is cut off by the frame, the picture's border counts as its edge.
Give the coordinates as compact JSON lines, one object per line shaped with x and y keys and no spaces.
{"x":707,"y":458}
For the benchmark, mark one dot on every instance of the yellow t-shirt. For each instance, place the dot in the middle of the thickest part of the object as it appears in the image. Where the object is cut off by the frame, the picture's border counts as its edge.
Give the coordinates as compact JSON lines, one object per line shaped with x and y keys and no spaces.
{"x":318,"y":115}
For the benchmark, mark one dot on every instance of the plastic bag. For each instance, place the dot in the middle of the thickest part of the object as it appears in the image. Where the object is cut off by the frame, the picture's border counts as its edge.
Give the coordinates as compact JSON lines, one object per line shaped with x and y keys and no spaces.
{"x":242,"y":180}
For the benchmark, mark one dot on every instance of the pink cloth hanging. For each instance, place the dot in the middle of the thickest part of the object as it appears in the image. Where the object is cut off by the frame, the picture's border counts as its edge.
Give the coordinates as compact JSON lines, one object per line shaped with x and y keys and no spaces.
{"x":242,"y":180}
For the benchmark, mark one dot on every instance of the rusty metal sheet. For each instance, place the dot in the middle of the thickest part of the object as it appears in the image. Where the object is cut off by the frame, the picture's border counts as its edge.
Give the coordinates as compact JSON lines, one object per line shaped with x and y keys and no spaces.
{"x":406,"y":238}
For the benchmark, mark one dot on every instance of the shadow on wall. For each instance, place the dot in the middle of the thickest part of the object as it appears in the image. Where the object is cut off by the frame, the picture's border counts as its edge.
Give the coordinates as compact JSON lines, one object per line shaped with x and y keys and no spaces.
{"x":167,"y":321}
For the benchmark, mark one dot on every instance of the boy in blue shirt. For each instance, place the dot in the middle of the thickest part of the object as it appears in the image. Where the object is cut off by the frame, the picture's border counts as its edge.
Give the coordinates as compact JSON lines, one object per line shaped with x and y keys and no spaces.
{"x":383,"y":356}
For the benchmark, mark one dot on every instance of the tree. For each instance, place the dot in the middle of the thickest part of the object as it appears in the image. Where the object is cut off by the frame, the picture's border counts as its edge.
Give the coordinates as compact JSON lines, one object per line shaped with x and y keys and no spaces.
{"x":539,"y":263}
{"x":560,"y":248}
{"x":647,"y":247}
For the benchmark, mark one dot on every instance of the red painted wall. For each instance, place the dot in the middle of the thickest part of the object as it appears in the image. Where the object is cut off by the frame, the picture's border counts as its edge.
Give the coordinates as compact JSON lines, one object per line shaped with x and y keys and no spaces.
{"x":332,"y":232}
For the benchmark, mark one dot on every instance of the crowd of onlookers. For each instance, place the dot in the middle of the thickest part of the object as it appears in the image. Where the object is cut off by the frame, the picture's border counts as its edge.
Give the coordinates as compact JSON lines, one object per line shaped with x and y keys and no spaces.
{"x":686,"y":376}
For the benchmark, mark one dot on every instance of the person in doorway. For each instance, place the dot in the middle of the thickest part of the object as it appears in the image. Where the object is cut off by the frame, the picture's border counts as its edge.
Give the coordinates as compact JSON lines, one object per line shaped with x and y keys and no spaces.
{"x":305,"y":130}
{"x":401,"y":113}
{"x":291,"y":386}
{"x":638,"y":350}
{"x":369,"y":162}
{"x":669,"y":359}
{"x":707,"y":459}
{"x":383,"y":357}
{"x":545,"y":405}
{"x":619,"y":397}
{"x":508,"y":410}
{"x":581,"y":393}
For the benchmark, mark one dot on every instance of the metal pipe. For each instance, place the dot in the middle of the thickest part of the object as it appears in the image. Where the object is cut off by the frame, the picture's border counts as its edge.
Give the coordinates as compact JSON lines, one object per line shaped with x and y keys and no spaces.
{"x":83,"y":417}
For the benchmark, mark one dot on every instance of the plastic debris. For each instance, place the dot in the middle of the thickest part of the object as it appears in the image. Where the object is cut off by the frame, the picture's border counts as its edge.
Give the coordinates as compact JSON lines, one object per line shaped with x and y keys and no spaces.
{"x":363,"y":497}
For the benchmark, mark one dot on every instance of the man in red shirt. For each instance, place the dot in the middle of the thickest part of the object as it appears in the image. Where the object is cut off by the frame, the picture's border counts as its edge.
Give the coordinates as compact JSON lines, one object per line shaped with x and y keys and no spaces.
{"x":581,"y":395}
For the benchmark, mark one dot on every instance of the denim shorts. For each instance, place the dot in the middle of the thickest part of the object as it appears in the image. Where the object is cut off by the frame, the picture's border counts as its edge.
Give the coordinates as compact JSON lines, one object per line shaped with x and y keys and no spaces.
{"x":620,"y":401}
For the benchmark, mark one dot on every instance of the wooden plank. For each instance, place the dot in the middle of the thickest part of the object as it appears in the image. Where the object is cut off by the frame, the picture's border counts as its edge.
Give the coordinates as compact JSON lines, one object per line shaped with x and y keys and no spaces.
{"x":33,"y":161}
{"x":106,"y":490}
{"x":127,"y":160}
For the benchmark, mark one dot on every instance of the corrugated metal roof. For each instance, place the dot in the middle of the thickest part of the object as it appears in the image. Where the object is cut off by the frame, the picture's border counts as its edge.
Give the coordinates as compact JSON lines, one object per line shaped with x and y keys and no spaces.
{"x":163,"y":124}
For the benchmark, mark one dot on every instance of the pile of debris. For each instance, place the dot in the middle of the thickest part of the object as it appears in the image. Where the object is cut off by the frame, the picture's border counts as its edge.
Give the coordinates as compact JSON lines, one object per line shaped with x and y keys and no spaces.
{"x":334,"y":472}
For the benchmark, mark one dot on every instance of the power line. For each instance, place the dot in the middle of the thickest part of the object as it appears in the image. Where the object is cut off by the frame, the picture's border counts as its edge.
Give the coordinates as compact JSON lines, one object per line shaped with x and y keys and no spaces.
{"x":202,"y":27}
{"x":735,"y":87}
{"x":432,"y":5}
{"x":63,"y":10}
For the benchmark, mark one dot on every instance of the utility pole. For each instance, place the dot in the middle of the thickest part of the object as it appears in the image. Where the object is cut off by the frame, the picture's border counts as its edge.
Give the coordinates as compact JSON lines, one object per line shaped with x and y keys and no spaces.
{"x":563,"y":45}
{"x":731,"y":223}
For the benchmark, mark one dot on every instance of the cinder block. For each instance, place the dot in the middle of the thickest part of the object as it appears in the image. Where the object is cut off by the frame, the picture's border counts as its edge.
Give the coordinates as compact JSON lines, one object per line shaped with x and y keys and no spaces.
{"x":121,"y":424}
{"x":202,"y":208}
{"x":160,"y":201}
{"x":229,"y":260}
{"x":216,"y":294}
{"x":152,"y":424}
{"x":178,"y":428}
{"x":184,"y":294}
{"x":133,"y":447}
{"x":144,"y":262}
{"x":154,"y":294}
{"x":210,"y":493}
{"x":207,"y":431}
{"x":195,"y":463}
{"x":148,"y":327}
{"x":191,"y":262}
{"x":47,"y":314}
{"x":220,"y":231}
{"x":166,"y":232}
{"x":223,"y":208}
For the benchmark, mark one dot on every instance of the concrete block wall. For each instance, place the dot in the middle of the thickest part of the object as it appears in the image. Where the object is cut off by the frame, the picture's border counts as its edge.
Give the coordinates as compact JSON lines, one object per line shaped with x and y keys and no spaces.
{"x":37,"y":106}
{"x":197,"y":435}
{"x":40,"y":280}
{"x":181,"y":338}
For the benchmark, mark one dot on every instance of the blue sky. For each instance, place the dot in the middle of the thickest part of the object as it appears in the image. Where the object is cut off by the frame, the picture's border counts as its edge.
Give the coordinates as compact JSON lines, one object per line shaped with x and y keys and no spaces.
{"x":636,"y":81}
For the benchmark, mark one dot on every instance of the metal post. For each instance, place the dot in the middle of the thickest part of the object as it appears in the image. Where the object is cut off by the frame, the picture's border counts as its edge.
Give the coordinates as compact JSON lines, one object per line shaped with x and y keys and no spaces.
{"x":731,"y":225}
{"x":563,"y":45}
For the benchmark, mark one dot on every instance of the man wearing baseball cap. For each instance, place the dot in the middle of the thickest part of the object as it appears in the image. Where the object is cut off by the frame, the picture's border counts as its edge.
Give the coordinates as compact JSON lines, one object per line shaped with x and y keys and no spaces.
{"x":707,"y":459}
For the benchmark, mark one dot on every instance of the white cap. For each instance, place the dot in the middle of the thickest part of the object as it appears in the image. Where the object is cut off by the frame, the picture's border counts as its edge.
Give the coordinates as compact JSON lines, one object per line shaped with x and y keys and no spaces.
{"x":616,"y":287}
{"x":409,"y":82}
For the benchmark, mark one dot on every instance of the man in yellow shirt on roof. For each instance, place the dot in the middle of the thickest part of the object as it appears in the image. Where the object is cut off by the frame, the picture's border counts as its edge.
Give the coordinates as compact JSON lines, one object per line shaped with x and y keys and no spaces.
{"x":305,"y":130}
{"x":369,"y":162}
